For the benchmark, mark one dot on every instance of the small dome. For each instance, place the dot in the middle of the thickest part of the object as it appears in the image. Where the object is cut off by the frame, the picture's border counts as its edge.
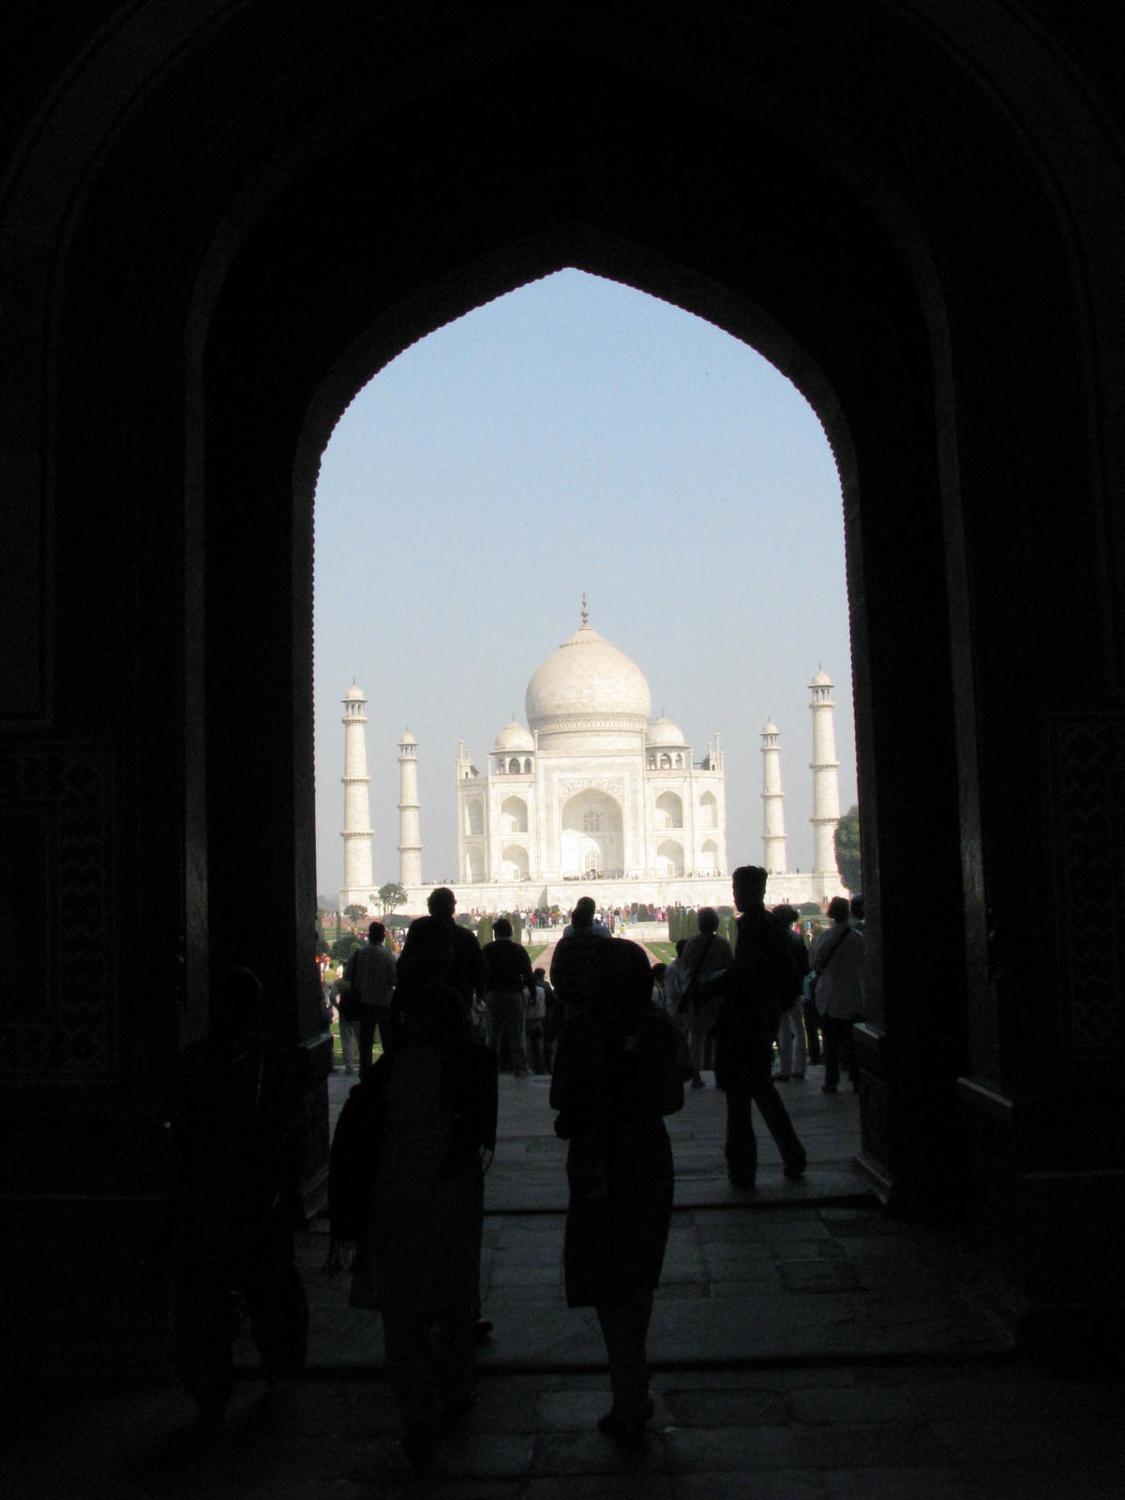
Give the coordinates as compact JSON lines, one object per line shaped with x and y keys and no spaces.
{"x":514,"y":736}
{"x":587,"y":678}
{"x":769,"y":727}
{"x":355,"y":694}
{"x":821,"y":679}
{"x":406,"y":738}
{"x":663,"y":732}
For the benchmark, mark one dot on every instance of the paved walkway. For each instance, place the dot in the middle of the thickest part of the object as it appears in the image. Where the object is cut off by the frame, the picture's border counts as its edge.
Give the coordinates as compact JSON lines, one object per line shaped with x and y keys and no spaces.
{"x":803,"y":1346}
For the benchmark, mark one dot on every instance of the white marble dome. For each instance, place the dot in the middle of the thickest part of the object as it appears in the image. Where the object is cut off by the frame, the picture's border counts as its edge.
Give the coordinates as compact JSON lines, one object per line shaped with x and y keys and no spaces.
{"x":663,"y":732}
{"x":587,"y":678}
{"x":355,"y":695}
{"x":514,"y":736}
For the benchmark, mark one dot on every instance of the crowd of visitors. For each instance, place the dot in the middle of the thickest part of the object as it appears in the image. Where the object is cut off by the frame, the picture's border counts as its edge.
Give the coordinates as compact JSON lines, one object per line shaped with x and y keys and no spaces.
{"x":620,"y":1038}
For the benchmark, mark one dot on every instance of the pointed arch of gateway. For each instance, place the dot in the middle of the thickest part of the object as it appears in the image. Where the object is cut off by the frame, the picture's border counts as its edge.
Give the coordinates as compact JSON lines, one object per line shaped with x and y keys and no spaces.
{"x":346,"y":185}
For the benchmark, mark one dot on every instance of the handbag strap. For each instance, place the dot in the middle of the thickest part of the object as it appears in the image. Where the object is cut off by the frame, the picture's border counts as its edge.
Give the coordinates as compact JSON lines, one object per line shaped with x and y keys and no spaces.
{"x":831,"y":954}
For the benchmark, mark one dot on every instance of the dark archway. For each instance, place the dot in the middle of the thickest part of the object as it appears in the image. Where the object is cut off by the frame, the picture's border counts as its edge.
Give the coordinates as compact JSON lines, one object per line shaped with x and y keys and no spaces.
{"x":220,"y":226}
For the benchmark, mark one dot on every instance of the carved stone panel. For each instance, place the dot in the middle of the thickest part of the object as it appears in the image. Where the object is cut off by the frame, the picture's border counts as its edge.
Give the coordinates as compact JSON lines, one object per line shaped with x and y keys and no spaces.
{"x":56,"y":1020}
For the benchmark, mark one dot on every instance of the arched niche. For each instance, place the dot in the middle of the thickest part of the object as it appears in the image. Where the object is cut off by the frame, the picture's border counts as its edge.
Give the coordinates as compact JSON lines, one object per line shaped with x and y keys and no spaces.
{"x":513,"y":815}
{"x":669,"y":811}
{"x":592,"y":834}
{"x":474,"y":817}
{"x":514,"y":863}
{"x":708,"y":810}
{"x":669,"y":859}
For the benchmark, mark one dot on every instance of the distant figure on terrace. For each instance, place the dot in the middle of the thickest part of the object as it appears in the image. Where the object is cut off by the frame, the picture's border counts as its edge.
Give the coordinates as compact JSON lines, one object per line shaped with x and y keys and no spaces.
{"x":837,"y":962}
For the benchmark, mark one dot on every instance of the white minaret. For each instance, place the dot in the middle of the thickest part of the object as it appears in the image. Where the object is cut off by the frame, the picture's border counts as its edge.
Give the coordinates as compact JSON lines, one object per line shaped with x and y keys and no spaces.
{"x":826,"y":777}
{"x":773,"y":802}
{"x":409,"y":823}
{"x":356,"y":832}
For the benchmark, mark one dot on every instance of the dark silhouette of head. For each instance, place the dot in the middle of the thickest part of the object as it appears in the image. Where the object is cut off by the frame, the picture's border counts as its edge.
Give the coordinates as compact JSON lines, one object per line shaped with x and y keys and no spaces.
{"x":624,"y":976}
{"x":857,"y":906}
{"x":427,"y":955}
{"x":707,"y":919}
{"x":236,"y":1004}
{"x":748,"y":883}
{"x":681,"y":944}
{"x":441,"y":902}
{"x":838,"y":909}
{"x":501,"y":928}
{"x":583,"y":913}
{"x":376,"y":932}
{"x":539,"y":973}
{"x":786,"y":915}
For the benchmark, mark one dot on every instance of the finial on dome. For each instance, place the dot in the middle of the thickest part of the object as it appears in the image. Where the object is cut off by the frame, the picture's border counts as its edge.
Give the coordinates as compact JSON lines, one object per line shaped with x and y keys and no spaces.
{"x":585,"y":609}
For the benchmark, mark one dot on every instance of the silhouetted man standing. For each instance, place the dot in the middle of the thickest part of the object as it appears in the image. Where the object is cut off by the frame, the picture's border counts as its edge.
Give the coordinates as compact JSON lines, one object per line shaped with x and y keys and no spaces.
{"x":371,"y":974}
{"x":508,"y":978}
{"x":760,"y":983}
{"x":467,"y":973}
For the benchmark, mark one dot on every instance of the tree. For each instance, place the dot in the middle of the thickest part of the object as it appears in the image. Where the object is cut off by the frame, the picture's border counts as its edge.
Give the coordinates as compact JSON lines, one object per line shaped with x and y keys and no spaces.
{"x":343,"y":946}
{"x":484,"y":930}
{"x":848,"y":853}
{"x":389,"y":896}
{"x":354,"y":912}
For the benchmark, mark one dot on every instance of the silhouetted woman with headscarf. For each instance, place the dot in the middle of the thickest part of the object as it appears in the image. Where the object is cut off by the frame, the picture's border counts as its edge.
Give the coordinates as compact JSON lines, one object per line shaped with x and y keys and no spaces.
{"x":406,"y":1185}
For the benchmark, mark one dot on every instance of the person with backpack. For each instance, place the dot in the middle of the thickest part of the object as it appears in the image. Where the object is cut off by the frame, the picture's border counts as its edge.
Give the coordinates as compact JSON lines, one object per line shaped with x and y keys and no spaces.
{"x":756,"y":988}
{"x":837,"y":963}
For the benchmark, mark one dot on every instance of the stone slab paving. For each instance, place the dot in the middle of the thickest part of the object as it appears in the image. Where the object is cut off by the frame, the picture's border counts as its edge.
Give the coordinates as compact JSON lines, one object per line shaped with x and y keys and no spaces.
{"x":966,"y":1432}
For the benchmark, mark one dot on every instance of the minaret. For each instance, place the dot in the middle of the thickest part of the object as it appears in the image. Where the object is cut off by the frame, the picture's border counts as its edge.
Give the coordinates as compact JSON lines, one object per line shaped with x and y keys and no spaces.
{"x":409,"y":824}
{"x":826,"y":777}
{"x":773,"y":802}
{"x":356,"y":832}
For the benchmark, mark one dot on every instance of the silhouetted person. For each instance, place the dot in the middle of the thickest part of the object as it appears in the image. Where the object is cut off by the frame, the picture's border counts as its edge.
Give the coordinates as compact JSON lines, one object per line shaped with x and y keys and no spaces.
{"x":705,"y":954}
{"x":837,"y":962}
{"x":507,"y":979}
{"x":616,"y":1076}
{"x":758,"y":984}
{"x":467,"y":972}
{"x":572,"y":963}
{"x":857,"y":917}
{"x":370,"y":973}
{"x":236,"y":1126}
{"x":406,"y":1189}
{"x":792,"y":1044}
{"x":536,"y":1022}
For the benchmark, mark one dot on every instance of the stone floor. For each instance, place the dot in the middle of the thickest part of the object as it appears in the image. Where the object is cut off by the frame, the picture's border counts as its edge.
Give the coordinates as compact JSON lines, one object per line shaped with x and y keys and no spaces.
{"x":803,"y":1345}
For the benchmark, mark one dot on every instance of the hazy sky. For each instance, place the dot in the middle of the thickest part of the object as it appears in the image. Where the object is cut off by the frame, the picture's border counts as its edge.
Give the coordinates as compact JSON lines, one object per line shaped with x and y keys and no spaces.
{"x":575,"y":435}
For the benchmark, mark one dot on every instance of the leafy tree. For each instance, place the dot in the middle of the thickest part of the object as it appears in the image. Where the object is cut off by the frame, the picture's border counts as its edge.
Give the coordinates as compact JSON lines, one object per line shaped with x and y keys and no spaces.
{"x":848,"y":853}
{"x":484,"y":931}
{"x":343,"y":946}
{"x":355,"y":912}
{"x":810,"y":909}
{"x":517,"y":928}
{"x":390,"y":896}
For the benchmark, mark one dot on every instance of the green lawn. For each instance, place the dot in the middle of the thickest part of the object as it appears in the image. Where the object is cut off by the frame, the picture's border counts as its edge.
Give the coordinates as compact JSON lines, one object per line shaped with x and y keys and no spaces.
{"x":664,"y":952}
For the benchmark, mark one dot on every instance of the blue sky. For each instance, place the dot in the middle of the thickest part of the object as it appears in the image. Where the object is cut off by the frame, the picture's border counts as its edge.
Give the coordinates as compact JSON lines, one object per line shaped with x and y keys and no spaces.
{"x":575,"y":435}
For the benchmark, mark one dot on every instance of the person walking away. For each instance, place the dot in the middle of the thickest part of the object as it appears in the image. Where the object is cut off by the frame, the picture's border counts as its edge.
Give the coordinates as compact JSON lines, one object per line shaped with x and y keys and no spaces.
{"x":792,"y":1046}
{"x":707,"y":953}
{"x":467,"y":972}
{"x":535,"y":1021}
{"x":346,"y":1001}
{"x":236,"y":1203}
{"x":553,"y":1022}
{"x":406,"y":1191}
{"x":837,"y":962}
{"x":370,"y":973}
{"x":573,"y":971}
{"x":760,"y":981}
{"x":616,"y":1077}
{"x":507,"y":980}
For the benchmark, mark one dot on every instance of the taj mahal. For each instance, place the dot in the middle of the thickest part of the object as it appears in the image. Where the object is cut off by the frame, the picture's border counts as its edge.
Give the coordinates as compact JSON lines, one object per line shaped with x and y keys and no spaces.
{"x":592,"y":790}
